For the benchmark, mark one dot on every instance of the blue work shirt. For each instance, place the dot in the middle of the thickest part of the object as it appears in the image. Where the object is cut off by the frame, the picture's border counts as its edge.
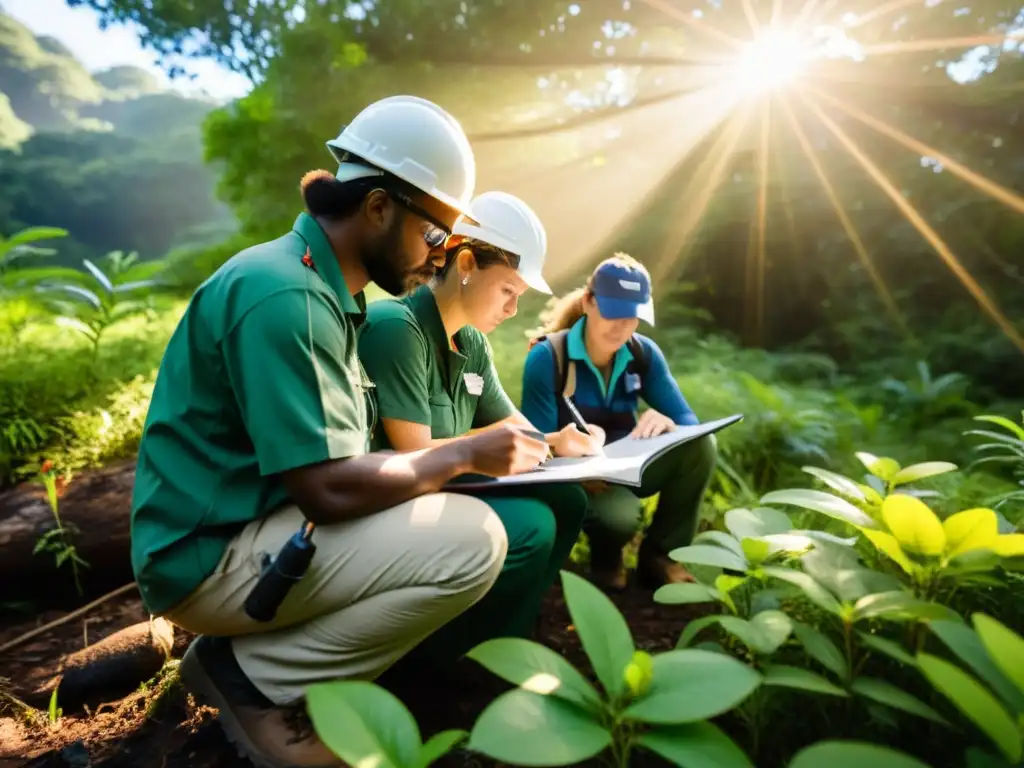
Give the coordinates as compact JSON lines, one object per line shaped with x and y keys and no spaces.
{"x":541,"y":385}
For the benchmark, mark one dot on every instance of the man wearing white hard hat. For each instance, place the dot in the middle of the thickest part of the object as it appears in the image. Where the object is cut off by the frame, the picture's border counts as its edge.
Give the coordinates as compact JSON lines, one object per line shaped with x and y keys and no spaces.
{"x":259,"y":430}
{"x":429,"y":359}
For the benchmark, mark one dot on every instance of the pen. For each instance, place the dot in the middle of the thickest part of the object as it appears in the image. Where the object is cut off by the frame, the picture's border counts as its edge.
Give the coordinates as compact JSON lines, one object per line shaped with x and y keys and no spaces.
{"x":581,"y":425}
{"x":537,"y":436}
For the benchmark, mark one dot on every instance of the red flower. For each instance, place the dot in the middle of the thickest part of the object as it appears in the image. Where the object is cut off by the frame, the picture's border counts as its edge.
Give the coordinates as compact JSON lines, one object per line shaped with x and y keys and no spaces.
{"x":47,"y":467}
{"x":308,"y":260}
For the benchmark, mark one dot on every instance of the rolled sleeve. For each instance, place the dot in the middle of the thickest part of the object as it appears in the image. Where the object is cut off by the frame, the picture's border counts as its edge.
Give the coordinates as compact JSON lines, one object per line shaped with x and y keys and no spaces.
{"x":394,"y":353}
{"x":292,"y":365}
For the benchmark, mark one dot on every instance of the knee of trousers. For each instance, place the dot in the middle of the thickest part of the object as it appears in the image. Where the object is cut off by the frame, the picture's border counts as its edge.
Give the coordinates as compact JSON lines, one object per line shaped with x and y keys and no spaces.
{"x":478,"y":542}
{"x":535,"y":530}
{"x":698,"y":455}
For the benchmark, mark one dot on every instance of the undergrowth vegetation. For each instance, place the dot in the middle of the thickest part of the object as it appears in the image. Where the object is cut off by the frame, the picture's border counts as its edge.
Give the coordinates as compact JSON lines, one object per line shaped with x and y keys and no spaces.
{"x":859,"y":559}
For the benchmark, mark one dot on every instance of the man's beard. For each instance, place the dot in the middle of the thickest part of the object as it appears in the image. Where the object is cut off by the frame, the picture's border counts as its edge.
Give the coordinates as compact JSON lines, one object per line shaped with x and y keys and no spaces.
{"x":388,"y":265}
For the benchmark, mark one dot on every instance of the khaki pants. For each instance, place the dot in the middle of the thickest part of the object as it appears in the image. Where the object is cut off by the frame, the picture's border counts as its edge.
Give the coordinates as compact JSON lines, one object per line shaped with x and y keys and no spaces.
{"x":377,"y":586}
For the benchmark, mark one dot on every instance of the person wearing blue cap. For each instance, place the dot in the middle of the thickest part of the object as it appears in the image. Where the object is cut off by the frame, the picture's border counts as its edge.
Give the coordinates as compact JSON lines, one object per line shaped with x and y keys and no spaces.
{"x":592,"y":357}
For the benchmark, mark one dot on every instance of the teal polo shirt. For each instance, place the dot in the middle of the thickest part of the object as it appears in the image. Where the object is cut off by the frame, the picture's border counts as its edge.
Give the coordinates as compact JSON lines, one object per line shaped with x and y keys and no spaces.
{"x":419,"y":378}
{"x":260,"y":376}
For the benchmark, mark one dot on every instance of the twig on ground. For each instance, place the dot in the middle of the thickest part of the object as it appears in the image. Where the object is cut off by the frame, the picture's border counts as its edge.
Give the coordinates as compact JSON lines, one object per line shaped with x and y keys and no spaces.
{"x":65,"y":618}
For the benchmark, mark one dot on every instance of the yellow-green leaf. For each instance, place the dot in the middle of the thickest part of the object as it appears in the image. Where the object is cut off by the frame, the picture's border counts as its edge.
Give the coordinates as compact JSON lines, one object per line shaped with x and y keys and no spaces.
{"x":920,"y":471}
{"x":1009,"y":545}
{"x":755,"y":551}
{"x":915,"y":527}
{"x":886,"y":543}
{"x":1004,"y":646}
{"x":971,"y":698}
{"x":969,"y":530}
{"x":880,"y":466}
{"x":638,"y":673}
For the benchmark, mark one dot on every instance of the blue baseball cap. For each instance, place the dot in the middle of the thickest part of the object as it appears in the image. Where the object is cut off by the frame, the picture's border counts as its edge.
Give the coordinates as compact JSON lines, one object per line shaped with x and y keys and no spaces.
{"x":622,"y":291}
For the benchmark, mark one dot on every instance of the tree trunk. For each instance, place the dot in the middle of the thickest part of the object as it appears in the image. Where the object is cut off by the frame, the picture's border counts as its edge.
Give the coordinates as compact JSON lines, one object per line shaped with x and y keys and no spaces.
{"x":94,"y":510}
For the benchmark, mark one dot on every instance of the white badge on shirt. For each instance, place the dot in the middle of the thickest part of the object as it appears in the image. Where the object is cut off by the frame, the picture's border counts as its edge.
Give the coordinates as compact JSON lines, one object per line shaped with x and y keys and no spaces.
{"x":474,"y":383}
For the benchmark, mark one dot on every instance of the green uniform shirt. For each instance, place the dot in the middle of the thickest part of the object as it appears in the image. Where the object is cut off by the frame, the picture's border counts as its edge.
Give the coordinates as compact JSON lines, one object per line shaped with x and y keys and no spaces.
{"x":419,"y":378}
{"x":260,"y":376}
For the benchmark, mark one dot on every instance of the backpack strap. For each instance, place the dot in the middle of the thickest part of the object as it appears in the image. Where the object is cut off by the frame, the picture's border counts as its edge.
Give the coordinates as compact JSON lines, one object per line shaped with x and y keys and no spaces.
{"x":639,"y":351}
{"x":565,"y":369}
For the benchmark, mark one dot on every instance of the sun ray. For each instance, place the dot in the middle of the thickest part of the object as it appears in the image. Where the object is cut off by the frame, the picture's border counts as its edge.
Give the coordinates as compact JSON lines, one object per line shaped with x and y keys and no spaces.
{"x":938,"y":44}
{"x":762,"y":216}
{"x":996,"y":191}
{"x":688,"y":20}
{"x":882,"y":10}
{"x":709,"y":177}
{"x":918,"y":222}
{"x":847,"y":224}
{"x":805,"y":12}
{"x":776,"y":17}
{"x":752,"y":20}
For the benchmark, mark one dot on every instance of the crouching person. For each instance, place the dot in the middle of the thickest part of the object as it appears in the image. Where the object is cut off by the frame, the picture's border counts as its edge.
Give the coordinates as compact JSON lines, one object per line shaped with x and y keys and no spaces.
{"x":260,"y":420}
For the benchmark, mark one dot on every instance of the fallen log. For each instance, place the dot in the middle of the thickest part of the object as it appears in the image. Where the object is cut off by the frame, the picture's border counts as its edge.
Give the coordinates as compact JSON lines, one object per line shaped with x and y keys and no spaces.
{"x":106,"y":670}
{"x":94,"y":509}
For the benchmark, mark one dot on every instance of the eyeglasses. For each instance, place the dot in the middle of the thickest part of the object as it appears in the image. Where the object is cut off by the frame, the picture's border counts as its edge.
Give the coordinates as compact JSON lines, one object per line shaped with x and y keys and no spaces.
{"x":435,"y":233}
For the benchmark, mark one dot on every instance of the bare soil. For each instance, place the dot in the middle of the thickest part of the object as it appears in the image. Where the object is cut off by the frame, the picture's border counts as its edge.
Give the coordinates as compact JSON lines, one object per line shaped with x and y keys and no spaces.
{"x":159,"y":725}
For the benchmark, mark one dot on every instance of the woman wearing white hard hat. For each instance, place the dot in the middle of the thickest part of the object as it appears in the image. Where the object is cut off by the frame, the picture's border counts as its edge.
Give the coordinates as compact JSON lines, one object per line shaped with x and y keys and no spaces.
{"x":435,"y":380}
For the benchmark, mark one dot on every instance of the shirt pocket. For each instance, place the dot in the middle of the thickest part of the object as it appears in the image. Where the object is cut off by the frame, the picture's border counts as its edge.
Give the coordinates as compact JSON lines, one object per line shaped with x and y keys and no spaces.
{"x":442,"y":416}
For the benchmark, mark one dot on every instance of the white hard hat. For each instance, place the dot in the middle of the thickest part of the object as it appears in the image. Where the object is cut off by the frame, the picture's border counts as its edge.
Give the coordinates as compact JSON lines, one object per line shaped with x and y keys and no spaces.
{"x":506,"y":222}
{"x":415,"y":140}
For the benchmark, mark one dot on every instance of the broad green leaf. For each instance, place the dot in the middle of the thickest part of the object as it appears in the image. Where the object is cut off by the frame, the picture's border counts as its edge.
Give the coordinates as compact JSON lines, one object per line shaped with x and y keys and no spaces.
{"x":694,"y":628}
{"x":852,"y":754}
{"x":881,"y":467}
{"x":694,"y":745}
{"x":437,"y":746}
{"x":536,"y":668}
{"x":887,"y":544}
{"x":819,"y":501}
{"x":752,"y":524}
{"x":899,"y":606}
{"x":678,"y":594}
{"x":720,"y":538}
{"x":914,"y":525}
{"x":968,"y":646}
{"x":361,"y":722}
{"x":816,"y":593}
{"x":916,"y":472}
{"x":755,"y":550}
{"x":785,"y":676}
{"x":976,"y":703}
{"x":975,"y":561}
{"x":969,"y":530}
{"x":691,"y":685}
{"x":524,"y":728}
{"x":708,"y":554}
{"x":886,"y":693}
{"x":765,"y":633}
{"x":837,"y":482}
{"x":1005,"y":647}
{"x":820,"y":648}
{"x":603,"y":631}
{"x":888,"y":647}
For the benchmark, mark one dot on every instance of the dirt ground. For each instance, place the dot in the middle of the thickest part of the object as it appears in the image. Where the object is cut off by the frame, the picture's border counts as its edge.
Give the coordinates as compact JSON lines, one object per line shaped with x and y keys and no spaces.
{"x":160,"y":726}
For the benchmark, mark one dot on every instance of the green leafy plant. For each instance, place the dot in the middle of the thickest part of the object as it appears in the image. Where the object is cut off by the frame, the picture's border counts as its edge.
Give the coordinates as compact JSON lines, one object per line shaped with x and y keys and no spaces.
{"x":91,"y":311}
{"x":995,"y":703}
{"x":659,"y":702}
{"x":365,"y":724}
{"x":20,"y":246}
{"x":852,"y":754}
{"x":1003,"y":449}
{"x":58,"y":540}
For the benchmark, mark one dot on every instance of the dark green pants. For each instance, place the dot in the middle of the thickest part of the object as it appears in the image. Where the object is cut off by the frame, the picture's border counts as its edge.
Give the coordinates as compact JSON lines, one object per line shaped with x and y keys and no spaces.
{"x":542,"y":523}
{"x":681,"y":477}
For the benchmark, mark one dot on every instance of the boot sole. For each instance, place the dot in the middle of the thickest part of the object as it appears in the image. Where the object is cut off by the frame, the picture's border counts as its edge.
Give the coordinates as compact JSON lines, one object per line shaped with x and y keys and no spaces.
{"x":199,"y":684}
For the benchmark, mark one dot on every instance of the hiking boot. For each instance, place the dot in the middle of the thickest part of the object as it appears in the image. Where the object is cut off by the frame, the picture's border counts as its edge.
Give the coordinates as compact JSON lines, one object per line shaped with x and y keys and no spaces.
{"x":655,"y":569}
{"x":268,"y":735}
